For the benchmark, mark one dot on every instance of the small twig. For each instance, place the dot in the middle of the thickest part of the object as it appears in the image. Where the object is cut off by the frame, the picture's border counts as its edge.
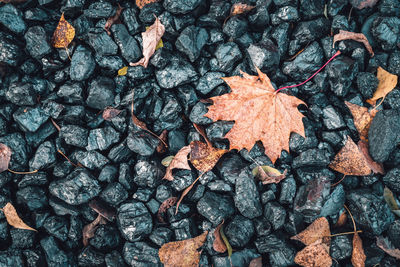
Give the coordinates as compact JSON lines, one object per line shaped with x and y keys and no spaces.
{"x":73,"y":164}
{"x":345,"y":233}
{"x":17,"y":172}
{"x":338,"y":182}
{"x":55,"y":124}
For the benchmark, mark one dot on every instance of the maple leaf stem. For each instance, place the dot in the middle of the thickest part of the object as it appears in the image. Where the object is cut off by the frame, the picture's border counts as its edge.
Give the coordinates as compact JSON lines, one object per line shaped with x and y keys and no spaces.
{"x":291,"y":86}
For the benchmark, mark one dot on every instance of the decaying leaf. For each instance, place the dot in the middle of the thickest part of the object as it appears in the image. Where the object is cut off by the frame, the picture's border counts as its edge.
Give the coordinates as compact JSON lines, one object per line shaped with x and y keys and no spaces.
{"x":313,"y":255}
{"x":358,"y":37}
{"x":318,"y":230}
{"x":161,"y":148}
{"x":110,"y":113}
{"x":355,"y":160}
{"x":384,"y":244}
{"x":12,"y":1}
{"x":342,"y":219}
{"x":204,"y":157}
{"x":123,"y":71}
{"x":360,"y":4}
{"x":103,"y":209}
{"x":164,"y":206}
{"x":111,"y":20}
{"x":358,"y":256}
{"x":218,"y":244}
{"x":64,"y":33}
{"x":257,"y":262}
{"x":167,"y":160}
{"x":151,"y":38}
{"x":5,"y":156}
{"x":268,"y":175}
{"x":362,"y":119}
{"x":240,"y":8}
{"x":391,"y":201}
{"x":13,"y":219}
{"x":259,"y":114}
{"x":180,"y":161}
{"x":89,"y":229}
{"x":387,"y":82}
{"x":141,"y":3}
{"x":183,"y":253}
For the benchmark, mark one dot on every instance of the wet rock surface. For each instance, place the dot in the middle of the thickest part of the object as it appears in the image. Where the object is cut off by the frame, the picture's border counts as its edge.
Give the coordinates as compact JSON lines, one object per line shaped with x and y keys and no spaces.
{"x":52,"y":100}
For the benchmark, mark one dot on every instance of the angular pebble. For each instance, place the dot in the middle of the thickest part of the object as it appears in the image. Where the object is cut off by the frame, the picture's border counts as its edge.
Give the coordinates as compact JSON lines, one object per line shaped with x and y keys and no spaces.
{"x":82,"y":64}
{"x":12,"y":19}
{"x":215,"y":207}
{"x":191,"y":41}
{"x":247,"y":198}
{"x":37,"y":43}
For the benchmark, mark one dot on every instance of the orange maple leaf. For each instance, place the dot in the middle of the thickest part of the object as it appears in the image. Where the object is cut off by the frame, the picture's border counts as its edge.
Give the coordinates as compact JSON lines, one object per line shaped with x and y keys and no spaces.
{"x":259,"y":112}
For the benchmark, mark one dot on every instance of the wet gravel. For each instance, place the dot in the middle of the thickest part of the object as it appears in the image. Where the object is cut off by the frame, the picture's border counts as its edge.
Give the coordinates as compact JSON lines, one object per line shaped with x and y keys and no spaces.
{"x":119,"y":166}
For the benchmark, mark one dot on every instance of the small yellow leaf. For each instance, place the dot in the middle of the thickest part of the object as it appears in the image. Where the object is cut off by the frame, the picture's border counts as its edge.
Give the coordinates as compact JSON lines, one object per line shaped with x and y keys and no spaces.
{"x":13,"y":219}
{"x":159,"y":44}
{"x":387,"y":82}
{"x":167,"y":160}
{"x":64,"y":33}
{"x":268,"y":170}
{"x":123,"y":71}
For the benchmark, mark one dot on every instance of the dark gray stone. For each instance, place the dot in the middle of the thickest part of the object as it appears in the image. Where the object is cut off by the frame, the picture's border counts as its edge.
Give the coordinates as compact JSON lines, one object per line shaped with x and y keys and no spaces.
{"x":128,"y":46}
{"x":181,"y":6}
{"x":102,"y":138}
{"x":37,"y":43}
{"x":82,"y":64}
{"x":30,"y":119}
{"x":44,"y":157}
{"x":239,"y":231}
{"x":176,"y":73}
{"x":74,"y":135}
{"x":247,"y":198}
{"x":12,"y":19}
{"x":392,"y":180}
{"x":215,"y":207}
{"x":191,"y":41}
{"x":228,"y":55}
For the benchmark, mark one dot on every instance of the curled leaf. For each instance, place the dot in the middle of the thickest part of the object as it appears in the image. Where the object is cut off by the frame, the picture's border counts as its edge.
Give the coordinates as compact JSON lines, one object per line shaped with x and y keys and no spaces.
{"x":362,"y":119}
{"x":64,"y":33}
{"x":391,"y":201}
{"x":164,"y":207}
{"x":110,"y":113}
{"x":180,"y":161}
{"x":387,"y":82}
{"x":358,"y":256}
{"x":5,"y":156}
{"x":183,"y":253}
{"x":218,"y":244}
{"x":13,"y":219}
{"x":151,"y":38}
{"x":268,"y":175}
{"x":89,"y":229}
{"x":358,"y":37}
{"x":240,"y":8}
{"x":386,"y":245}
{"x":123,"y":71}
{"x":111,"y":20}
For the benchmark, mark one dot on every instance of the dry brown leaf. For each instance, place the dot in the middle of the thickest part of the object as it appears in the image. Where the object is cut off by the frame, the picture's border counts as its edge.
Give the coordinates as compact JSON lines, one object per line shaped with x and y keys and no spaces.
{"x":204,"y":157}
{"x":318,"y":230}
{"x":218,"y":244}
{"x":180,"y":161}
{"x":360,"y":4}
{"x":358,"y":37}
{"x":164,"y":206}
{"x":5,"y":156}
{"x":161,"y":148}
{"x":64,"y":33}
{"x":150,"y":38}
{"x":259,"y":114}
{"x":269,"y":175}
{"x":257,"y":262}
{"x":362,"y":119}
{"x":313,"y":255}
{"x":358,"y":256}
{"x":387,"y":82}
{"x":240,"y":8}
{"x":13,"y":219}
{"x":142,"y":3}
{"x":89,"y":229}
{"x":354,"y":160}
{"x":183,"y":253}
{"x":111,"y":20}
{"x":103,"y":209}
{"x":110,"y":113}
{"x":386,"y":245}
{"x":342,"y":219}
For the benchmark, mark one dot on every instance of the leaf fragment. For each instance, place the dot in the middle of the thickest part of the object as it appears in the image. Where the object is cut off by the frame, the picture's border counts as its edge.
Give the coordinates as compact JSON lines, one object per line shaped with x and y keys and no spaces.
{"x":123,"y":71}
{"x":318,"y":230}
{"x":113,"y":19}
{"x":180,"y":161}
{"x":151,"y":38}
{"x":358,"y":256}
{"x":384,"y":244}
{"x":360,"y":4}
{"x":64,"y":34}
{"x":167,"y":160}
{"x":13,"y":219}
{"x":268,"y":175}
{"x":110,"y":113}
{"x":89,"y":229}
{"x":342,"y":219}
{"x":256,"y":262}
{"x":164,"y":207}
{"x":313,"y":255}
{"x":183,"y":253}
{"x":141,"y":3}
{"x":391,"y":201}
{"x":161,"y":148}
{"x":204,"y":157}
{"x":103,"y":209}
{"x":240,"y":8}
{"x":355,"y":160}
{"x":387,"y":82}
{"x":358,"y":37}
{"x":218,"y":244}
{"x":5,"y":156}
{"x":362,"y":119}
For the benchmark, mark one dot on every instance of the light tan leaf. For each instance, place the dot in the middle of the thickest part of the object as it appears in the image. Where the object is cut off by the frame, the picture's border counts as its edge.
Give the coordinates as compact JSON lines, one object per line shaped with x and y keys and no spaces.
{"x":240,"y":8}
{"x":358,"y":256}
{"x":355,"y":160}
{"x":151,"y":38}
{"x":204,"y":157}
{"x":110,"y":113}
{"x":314,"y":255}
{"x":111,"y":20}
{"x":391,"y":201}
{"x":386,"y":245}
{"x":362,"y":119}
{"x":358,"y":37}
{"x":164,"y":207}
{"x":180,"y":161}
{"x":268,"y":175}
{"x":141,"y":3}
{"x":183,"y":253}
{"x":360,"y":4}
{"x":318,"y":230}
{"x":64,"y":33}
{"x":387,"y":82}
{"x":218,"y":244}
{"x":13,"y":219}
{"x":5,"y":156}
{"x":259,"y":114}
{"x":89,"y":229}
{"x":167,"y":160}
{"x":257,"y":262}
